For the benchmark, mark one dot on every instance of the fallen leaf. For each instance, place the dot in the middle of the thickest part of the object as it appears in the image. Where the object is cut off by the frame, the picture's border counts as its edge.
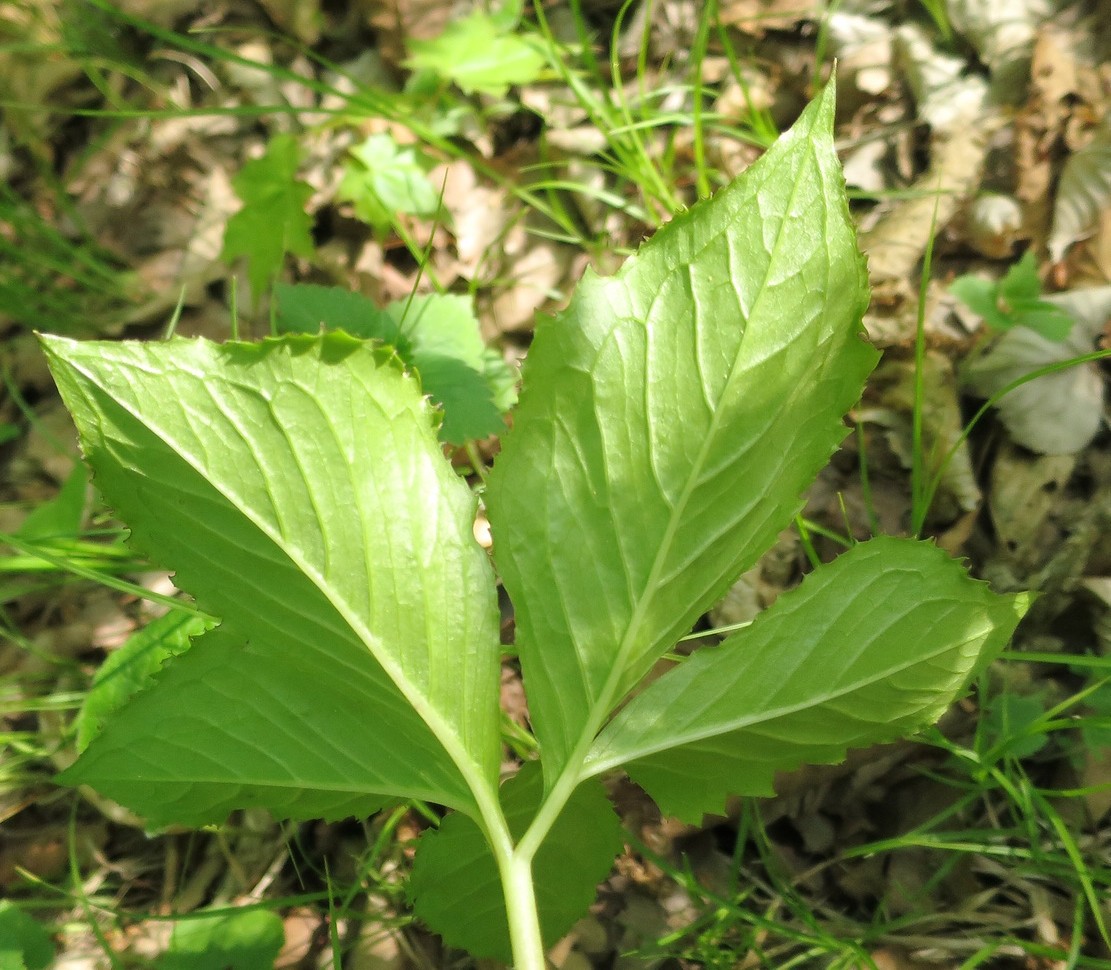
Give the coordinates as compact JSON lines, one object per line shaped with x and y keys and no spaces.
{"x":1061,"y":412}
{"x":1083,"y":194}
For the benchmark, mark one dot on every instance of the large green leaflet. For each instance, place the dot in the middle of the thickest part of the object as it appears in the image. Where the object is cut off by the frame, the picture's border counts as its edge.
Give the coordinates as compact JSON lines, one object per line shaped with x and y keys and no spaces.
{"x":670,"y":420}
{"x":297,"y":488}
{"x":870,"y":648}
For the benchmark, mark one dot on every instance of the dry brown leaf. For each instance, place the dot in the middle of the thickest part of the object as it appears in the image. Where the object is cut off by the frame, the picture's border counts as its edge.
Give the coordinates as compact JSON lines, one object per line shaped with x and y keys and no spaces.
{"x":993,"y":224}
{"x":1091,"y":259}
{"x":1002,"y":32}
{"x":1084,"y":193}
{"x":864,"y":47}
{"x":480,"y":215}
{"x":942,"y":424}
{"x":1025,"y":489}
{"x":1040,"y":123}
{"x":892,"y":958}
{"x":532,"y":277}
{"x":759,"y":16}
{"x":897,"y":242}
{"x":398,"y":21}
{"x":301,"y":18}
{"x":1095,"y":777}
{"x":1057,"y":413}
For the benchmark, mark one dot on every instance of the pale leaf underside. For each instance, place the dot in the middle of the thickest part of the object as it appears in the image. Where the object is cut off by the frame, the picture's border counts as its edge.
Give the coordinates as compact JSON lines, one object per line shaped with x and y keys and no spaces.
{"x":297,"y":489}
{"x":868,"y":649}
{"x":670,"y":420}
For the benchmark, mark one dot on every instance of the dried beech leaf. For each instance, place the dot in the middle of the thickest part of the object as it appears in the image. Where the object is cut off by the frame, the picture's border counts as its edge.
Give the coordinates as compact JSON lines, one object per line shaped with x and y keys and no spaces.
{"x":1084,"y":192}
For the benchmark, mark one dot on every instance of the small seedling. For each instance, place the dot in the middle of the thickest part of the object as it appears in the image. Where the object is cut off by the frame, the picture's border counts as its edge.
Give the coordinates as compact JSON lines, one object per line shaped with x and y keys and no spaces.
{"x":273,"y":221}
{"x":382,"y":179}
{"x":1014,"y":301}
{"x":670,"y":420}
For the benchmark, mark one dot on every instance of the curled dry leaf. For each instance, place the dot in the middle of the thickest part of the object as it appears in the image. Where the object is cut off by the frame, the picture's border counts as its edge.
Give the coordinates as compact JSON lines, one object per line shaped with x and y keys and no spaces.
{"x":1002,"y":31}
{"x":994,"y":224}
{"x":1084,"y":192}
{"x":948,"y":97}
{"x":1058,"y":413}
{"x":864,"y":50}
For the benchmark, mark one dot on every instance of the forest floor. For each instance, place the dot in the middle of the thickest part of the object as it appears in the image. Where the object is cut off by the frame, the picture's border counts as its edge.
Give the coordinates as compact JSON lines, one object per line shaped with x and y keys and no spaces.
{"x":499,"y":160}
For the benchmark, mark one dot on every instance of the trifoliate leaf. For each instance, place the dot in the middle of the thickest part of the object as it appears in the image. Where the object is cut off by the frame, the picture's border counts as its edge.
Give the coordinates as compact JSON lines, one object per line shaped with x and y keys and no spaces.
{"x":1014,"y":301}
{"x":670,"y":419}
{"x":299,"y":492}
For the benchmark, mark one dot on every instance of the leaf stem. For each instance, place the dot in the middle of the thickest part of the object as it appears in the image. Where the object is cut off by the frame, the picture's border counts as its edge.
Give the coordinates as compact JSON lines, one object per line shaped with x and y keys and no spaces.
{"x":520,"y":908}
{"x":515,"y":875}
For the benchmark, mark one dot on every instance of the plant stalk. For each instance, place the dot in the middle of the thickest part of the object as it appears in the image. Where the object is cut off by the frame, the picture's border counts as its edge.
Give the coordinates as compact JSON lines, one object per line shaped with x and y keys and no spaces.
{"x":521,"y":913}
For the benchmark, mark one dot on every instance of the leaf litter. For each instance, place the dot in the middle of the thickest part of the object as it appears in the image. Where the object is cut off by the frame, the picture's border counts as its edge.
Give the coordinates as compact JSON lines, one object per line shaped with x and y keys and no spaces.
{"x":991,"y":154}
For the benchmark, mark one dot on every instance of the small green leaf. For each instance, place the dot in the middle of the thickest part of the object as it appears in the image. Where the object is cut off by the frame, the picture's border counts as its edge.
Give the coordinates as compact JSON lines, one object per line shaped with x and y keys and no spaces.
{"x":870,"y":648}
{"x":247,"y":940}
{"x":455,"y":886}
{"x":981,"y":296}
{"x":1046,"y":319}
{"x":1021,"y":281}
{"x":382,"y":179}
{"x":437,"y":335}
{"x":670,"y":419}
{"x":478,"y":56}
{"x":131,"y":669}
{"x":61,"y":517}
{"x":273,"y":220}
{"x":1014,"y":301}
{"x":1007,"y":725}
{"x":297,"y":488}
{"x":310,"y":308}
{"x":24,"y":942}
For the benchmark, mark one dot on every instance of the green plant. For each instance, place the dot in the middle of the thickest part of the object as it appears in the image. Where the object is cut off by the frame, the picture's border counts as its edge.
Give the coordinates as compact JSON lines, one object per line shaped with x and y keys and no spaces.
{"x":670,"y":419}
{"x":1014,"y":301}
{"x":24,"y":943}
{"x":273,"y":220}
